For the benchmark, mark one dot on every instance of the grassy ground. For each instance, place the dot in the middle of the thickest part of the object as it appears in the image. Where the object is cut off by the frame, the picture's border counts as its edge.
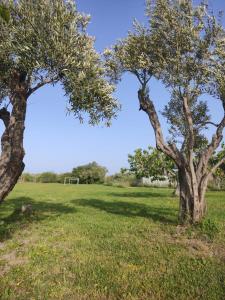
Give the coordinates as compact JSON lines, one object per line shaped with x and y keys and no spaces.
{"x":98,"y":242}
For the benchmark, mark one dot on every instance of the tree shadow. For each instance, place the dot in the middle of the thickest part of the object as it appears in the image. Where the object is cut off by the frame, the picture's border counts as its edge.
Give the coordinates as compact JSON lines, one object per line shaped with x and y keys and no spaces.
{"x":127,"y":209}
{"x":140,"y":195}
{"x":16,"y":219}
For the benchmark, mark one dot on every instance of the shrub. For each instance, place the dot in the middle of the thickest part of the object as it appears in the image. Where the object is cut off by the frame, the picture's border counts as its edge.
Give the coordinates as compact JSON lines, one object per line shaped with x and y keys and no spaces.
{"x":90,"y":173}
{"x":47,"y":177}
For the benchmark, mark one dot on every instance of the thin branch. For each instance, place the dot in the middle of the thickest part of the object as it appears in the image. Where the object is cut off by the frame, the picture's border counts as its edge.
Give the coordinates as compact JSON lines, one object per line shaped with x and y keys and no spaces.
{"x":138,"y":77}
{"x":41,"y":84}
{"x":208,"y":123}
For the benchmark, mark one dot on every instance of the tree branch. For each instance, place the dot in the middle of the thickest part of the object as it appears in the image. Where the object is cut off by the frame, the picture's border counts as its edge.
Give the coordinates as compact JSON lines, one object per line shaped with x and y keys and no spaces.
{"x":41,"y":84}
{"x":211,"y":123}
{"x":147,"y":106}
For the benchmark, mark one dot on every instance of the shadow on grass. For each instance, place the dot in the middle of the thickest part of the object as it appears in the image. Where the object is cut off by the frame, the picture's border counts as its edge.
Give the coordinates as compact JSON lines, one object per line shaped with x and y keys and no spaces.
{"x":141,"y":195}
{"x":16,"y":220}
{"x":127,"y":209}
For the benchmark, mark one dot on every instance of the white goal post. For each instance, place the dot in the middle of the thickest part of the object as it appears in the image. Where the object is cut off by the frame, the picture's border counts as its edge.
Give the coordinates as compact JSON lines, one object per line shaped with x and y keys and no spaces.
{"x":70,"y":180}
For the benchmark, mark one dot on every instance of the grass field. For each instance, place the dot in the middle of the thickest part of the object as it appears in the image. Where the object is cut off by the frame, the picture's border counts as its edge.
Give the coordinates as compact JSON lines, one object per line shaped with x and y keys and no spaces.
{"x":98,"y":242}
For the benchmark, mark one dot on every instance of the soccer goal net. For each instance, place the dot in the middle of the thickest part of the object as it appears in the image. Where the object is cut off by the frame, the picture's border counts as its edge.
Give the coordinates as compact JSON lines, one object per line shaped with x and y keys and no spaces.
{"x":71,"y":180}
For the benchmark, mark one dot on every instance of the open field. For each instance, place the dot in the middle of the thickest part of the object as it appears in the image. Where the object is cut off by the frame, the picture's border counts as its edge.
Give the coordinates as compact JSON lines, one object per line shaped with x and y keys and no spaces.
{"x":98,"y":242}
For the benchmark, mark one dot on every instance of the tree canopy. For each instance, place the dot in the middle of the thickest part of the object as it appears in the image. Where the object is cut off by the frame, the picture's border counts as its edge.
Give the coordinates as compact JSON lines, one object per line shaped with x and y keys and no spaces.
{"x":90,"y":173}
{"x":151,"y":163}
{"x":46,"y":41}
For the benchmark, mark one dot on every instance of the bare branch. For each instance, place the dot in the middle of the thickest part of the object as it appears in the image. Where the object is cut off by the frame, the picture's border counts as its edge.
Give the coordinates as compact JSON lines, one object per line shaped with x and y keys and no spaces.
{"x":211,"y":123}
{"x":41,"y":84}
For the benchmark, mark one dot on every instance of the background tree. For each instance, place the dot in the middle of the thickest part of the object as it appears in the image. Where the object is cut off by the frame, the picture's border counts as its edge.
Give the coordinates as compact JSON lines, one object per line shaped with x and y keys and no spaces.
{"x":45,"y":42}
{"x":151,"y":163}
{"x":27,"y":177}
{"x":184,"y":48}
{"x":90,"y":173}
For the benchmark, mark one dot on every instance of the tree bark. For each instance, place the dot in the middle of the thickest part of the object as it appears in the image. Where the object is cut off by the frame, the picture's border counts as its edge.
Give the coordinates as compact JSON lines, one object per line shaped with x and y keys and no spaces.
{"x":12,"y":152}
{"x":176,"y":192}
{"x":192,"y":180}
{"x":192,"y":198}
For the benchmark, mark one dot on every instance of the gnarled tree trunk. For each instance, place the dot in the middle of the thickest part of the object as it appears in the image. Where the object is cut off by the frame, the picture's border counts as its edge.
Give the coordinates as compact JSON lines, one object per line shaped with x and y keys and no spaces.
{"x":192,"y":177}
{"x":192,"y":198}
{"x":12,"y":152}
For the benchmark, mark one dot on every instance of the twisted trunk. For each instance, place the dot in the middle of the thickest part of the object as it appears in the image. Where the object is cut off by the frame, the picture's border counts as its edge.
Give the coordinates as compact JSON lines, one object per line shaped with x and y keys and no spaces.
{"x":192,"y":180}
{"x":12,"y":152}
{"x":192,"y":198}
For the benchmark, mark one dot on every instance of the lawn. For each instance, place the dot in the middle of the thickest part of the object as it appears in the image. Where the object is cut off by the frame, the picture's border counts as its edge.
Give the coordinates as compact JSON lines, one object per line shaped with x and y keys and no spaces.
{"x":100,"y":242}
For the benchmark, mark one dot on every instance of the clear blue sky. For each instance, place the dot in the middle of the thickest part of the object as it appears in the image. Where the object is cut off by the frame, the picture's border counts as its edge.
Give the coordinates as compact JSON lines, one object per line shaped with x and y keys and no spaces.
{"x":56,"y":142}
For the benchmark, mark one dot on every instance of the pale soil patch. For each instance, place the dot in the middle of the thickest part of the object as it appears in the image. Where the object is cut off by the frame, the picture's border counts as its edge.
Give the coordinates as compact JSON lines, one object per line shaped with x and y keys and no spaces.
{"x":11,"y":260}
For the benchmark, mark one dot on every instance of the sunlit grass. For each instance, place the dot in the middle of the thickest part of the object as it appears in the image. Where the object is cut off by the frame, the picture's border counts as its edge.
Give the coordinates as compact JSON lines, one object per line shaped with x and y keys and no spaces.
{"x":98,"y":242}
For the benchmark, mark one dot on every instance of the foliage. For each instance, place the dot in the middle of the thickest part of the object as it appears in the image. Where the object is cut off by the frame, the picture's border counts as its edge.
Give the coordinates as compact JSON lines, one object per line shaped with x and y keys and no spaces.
{"x":121,"y":179}
{"x":90,"y":173}
{"x":151,"y":163}
{"x":46,"y":42}
{"x":27,"y":177}
{"x":47,"y":177}
{"x":183,"y":47}
{"x":4,"y":12}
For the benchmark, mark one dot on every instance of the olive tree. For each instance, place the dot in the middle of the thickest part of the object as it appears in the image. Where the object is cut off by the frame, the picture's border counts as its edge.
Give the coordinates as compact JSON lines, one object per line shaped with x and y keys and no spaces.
{"x":183,"y":46}
{"x":45,"y":42}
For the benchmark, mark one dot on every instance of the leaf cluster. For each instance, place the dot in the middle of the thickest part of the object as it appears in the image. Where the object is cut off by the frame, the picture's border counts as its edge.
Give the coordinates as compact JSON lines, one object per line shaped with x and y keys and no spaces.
{"x":183,"y":46}
{"x":151,"y":163}
{"x":47,"y":43}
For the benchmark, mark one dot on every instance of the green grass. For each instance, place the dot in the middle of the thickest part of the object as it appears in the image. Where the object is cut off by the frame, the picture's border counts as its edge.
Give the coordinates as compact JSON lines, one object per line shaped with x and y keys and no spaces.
{"x":98,"y":242}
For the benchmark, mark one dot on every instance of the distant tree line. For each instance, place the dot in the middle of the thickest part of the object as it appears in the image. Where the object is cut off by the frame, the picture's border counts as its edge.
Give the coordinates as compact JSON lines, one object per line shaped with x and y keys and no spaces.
{"x":143,"y":163}
{"x":88,"y":174}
